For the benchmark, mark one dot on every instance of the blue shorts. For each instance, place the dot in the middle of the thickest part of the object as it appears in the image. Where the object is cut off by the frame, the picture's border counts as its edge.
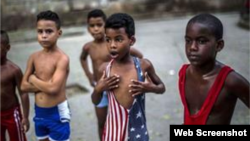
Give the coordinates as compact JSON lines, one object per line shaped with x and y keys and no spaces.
{"x":53,"y":122}
{"x":104,"y":101}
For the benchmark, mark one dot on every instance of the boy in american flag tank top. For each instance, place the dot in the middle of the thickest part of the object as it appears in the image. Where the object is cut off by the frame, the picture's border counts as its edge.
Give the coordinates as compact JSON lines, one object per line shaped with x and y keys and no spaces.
{"x":123,"y":79}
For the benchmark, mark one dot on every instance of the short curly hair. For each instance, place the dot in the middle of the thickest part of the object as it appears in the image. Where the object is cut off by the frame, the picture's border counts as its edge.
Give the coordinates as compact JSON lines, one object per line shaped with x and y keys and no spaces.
{"x":212,"y":22}
{"x":49,"y":15}
{"x":119,"y":20}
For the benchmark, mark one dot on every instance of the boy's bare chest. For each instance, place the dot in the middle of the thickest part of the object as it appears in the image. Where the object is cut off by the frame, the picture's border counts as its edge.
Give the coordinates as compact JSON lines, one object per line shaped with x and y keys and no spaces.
{"x":45,"y":66}
{"x":196,"y":92}
{"x":99,"y":54}
{"x":7,"y":78}
{"x":122,"y":94}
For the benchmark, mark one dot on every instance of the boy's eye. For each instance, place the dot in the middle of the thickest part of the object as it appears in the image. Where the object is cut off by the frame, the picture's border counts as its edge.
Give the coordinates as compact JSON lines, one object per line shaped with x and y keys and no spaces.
{"x":91,"y":25}
{"x":118,"y":40}
{"x":99,"y":25}
{"x":187,"y":41}
{"x":201,"y":41}
{"x":49,"y":31}
{"x":107,"y":40}
{"x":39,"y":31}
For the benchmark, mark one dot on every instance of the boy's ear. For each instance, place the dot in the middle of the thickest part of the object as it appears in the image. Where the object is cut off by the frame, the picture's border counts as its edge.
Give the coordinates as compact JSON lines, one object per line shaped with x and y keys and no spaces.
{"x":220,"y":45}
{"x":8,"y":47}
{"x":132,"y":40}
{"x":60,"y":32}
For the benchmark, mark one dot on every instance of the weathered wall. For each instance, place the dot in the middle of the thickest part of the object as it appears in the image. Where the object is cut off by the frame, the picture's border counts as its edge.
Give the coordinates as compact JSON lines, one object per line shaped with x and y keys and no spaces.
{"x":21,"y":14}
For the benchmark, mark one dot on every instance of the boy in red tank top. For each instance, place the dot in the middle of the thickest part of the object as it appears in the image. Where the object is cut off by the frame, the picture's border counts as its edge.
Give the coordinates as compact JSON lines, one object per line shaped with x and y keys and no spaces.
{"x":14,"y":113}
{"x":209,"y":89}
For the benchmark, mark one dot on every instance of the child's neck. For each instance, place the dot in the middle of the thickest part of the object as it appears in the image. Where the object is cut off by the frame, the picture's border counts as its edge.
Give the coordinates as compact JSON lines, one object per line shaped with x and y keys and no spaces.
{"x":206,"y":70}
{"x":49,"y":49}
{"x":98,"y":41}
{"x":125,"y":60}
{"x":3,"y":61}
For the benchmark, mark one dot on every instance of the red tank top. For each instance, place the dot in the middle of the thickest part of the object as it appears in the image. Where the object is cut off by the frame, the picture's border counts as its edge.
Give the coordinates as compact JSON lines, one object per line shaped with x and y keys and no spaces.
{"x":200,"y":118}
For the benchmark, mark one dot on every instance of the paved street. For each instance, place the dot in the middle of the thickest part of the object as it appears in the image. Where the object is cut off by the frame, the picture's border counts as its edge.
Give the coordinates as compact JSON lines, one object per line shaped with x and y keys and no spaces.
{"x":162,"y":42}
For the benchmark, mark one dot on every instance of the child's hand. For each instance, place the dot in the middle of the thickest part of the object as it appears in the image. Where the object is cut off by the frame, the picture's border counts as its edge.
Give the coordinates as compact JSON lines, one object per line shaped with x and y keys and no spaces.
{"x":108,"y":83}
{"x":25,"y":125}
{"x":31,"y":78}
{"x":138,"y":87}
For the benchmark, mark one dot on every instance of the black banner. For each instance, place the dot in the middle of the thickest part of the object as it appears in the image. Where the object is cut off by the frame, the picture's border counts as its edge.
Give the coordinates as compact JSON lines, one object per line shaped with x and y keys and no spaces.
{"x":217,"y":132}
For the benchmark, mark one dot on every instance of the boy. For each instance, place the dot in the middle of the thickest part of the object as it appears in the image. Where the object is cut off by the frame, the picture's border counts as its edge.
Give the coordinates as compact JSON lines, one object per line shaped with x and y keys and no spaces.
{"x":46,"y":76}
{"x":98,"y":52}
{"x":11,"y":116}
{"x":208,"y":89}
{"x":123,"y":79}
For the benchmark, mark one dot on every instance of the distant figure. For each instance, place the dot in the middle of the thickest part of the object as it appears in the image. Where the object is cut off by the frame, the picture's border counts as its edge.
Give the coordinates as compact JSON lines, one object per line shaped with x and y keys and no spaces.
{"x":46,"y":75}
{"x":98,"y":52}
{"x":11,"y":115}
{"x":123,"y":78}
{"x":209,"y":89}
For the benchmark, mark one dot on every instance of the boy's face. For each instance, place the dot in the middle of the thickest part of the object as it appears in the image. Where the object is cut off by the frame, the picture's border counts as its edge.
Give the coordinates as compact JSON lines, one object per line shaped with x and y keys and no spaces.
{"x":47,"y":33}
{"x":4,"y":48}
{"x":96,"y":27}
{"x":201,"y":45}
{"x":118,"y":42}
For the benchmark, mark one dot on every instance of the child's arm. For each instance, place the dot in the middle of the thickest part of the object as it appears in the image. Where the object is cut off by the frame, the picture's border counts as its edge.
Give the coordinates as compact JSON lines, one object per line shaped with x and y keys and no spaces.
{"x":153,"y":83}
{"x":239,"y":86}
{"x":25,"y":102}
{"x":58,"y":79}
{"x":26,"y":86}
{"x":105,"y":83}
{"x":85,"y":66}
{"x":135,"y":52}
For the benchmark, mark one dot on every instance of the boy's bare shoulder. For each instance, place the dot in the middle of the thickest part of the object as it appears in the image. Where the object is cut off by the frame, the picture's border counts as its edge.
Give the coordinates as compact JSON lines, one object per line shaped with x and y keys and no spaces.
{"x":145,"y":63}
{"x":235,"y":82}
{"x":87,"y":46}
{"x":63,"y":56}
{"x":35,"y":54}
{"x":14,"y":67}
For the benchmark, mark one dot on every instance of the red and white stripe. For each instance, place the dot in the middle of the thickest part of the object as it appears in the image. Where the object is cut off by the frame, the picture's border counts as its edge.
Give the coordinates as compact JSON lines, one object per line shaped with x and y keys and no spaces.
{"x":116,"y":127}
{"x":17,"y":117}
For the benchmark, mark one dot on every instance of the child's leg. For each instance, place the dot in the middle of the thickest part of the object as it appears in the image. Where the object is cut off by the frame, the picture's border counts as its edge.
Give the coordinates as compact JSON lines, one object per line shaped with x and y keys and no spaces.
{"x":101,"y":112}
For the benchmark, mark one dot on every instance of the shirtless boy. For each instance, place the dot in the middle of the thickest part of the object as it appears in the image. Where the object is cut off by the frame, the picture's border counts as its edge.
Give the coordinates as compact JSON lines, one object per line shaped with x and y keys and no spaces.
{"x":124,"y":80}
{"x":46,"y":75}
{"x":98,"y":52}
{"x":209,"y":89}
{"x":11,"y":116}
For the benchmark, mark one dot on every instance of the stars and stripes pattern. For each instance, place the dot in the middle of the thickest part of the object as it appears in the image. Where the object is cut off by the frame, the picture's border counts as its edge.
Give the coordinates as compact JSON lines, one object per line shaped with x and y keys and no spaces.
{"x":126,"y":124}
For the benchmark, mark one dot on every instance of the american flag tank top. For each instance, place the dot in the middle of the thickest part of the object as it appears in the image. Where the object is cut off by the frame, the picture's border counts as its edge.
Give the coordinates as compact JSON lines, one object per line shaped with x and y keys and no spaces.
{"x":126,"y":124}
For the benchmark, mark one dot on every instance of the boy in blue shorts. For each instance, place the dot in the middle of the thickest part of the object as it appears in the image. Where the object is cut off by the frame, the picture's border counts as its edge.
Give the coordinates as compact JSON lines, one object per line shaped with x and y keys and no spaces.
{"x":98,"y":52}
{"x":46,"y":75}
